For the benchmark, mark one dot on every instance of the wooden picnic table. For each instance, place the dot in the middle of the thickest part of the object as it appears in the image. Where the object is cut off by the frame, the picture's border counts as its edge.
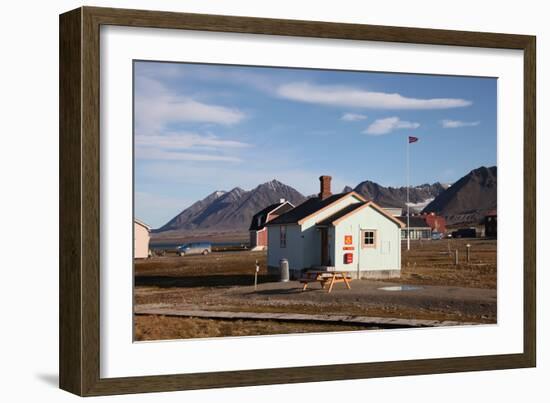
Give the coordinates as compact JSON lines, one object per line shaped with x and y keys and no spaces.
{"x":325,"y":277}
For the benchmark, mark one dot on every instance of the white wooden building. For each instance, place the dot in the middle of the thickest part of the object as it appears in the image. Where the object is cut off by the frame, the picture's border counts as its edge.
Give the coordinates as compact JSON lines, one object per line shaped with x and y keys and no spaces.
{"x":340,"y":232}
{"x":141,"y":239}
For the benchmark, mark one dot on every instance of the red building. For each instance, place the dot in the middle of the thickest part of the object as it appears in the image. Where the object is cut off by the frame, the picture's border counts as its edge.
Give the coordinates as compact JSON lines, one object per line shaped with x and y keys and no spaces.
{"x":436,"y":222}
{"x":258,"y":230}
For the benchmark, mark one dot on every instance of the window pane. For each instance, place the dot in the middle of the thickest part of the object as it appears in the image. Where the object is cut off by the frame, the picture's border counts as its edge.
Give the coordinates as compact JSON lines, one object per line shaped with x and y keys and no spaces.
{"x":368,"y":238}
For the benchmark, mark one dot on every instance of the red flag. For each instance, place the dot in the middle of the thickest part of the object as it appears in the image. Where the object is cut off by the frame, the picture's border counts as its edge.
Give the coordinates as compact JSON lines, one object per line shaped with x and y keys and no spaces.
{"x":413,"y":139}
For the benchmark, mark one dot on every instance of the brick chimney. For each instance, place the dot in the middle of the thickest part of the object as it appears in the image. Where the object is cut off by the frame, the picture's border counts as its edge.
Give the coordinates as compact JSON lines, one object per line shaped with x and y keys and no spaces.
{"x":325,"y":187}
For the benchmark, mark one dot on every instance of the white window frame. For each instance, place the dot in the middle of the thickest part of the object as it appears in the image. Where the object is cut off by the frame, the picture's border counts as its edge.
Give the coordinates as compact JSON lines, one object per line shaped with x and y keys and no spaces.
{"x":374,"y":238}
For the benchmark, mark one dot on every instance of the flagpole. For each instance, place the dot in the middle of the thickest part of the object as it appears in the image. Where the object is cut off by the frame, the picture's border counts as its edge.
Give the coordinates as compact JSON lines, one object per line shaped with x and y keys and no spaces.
{"x":408,"y":207}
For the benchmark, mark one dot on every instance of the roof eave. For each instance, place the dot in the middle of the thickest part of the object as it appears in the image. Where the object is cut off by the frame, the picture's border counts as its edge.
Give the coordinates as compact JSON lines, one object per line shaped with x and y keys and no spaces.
{"x":303,"y":220}
{"x":281,"y":205}
{"x":271,"y":223}
{"x":376,"y":207}
{"x":388,"y":215}
{"x":138,"y":221}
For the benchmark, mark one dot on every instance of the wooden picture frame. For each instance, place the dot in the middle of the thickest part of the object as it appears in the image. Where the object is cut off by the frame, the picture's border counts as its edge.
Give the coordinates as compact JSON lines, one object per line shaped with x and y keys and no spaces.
{"x":79,"y":279}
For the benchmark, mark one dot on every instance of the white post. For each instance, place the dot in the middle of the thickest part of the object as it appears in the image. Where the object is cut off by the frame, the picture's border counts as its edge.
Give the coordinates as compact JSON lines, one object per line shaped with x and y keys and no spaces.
{"x":256,"y":275}
{"x":359,"y":255}
{"x":408,"y":208}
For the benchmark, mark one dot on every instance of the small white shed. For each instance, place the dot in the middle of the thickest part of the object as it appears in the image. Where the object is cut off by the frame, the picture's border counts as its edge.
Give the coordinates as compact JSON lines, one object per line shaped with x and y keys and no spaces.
{"x":341,"y":232}
{"x":141,"y":239}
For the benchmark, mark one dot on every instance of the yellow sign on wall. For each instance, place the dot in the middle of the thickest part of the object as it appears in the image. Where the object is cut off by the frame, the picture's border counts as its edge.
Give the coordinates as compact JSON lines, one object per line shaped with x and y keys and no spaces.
{"x":348,"y":239}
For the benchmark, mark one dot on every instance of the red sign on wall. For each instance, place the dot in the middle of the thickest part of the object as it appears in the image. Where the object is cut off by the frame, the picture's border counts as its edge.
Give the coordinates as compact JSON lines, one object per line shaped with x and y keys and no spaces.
{"x":348,"y":258}
{"x":348,"y":240}
{"x":348,"y":248}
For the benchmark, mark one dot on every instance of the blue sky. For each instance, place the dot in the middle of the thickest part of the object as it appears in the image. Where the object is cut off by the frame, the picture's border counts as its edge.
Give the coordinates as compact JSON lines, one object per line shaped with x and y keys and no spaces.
{"x":201,"y":128}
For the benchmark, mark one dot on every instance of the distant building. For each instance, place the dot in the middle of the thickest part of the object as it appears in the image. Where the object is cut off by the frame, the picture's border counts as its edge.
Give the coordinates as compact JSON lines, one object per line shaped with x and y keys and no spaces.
{"x":394,"y":211}
{"x":436,"y":222}
{"x":258,"y":230}
{"x":419,"y":229}
{"x":490,"y":222}
{"x":141,"y":239}
{"x":340,"y":232}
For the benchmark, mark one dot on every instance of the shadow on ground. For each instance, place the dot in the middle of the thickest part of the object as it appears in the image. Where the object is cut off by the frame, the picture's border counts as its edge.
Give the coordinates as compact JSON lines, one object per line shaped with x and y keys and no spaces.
{"x":222,"y":280}
{"x":281,"y":291}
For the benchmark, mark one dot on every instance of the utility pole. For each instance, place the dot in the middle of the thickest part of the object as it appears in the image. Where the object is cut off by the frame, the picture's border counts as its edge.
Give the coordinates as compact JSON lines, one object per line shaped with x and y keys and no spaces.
{"x":410,"y":139}
{"x":408,"y":207}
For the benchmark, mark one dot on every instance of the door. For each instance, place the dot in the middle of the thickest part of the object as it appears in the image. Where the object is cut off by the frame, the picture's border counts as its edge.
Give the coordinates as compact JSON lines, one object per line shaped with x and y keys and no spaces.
{"x":325,"y":258}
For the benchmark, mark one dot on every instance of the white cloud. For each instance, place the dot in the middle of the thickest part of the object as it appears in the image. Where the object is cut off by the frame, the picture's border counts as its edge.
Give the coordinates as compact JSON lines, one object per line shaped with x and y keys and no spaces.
{"x":453,"y":124}
{"x":156,"y":107}
{"x":387,"y":125}
{"x":144,"y":153}
{"x":187,"y":146}
{"x":211,"y":73}
{"x":353,"y":117}
{"x":187,"y":140}
{"x":336,"y":95}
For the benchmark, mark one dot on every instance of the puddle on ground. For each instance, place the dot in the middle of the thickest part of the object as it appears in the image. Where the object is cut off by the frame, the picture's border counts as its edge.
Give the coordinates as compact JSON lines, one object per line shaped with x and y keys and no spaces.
{"x":401,"y":288}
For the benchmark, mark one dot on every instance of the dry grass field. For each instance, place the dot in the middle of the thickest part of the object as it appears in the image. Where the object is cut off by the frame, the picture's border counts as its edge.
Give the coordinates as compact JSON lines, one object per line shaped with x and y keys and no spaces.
{"x":433,"y":262}
{"x":160,"y":327}
{"x":223,"y":282}
{"x":214,"y":269}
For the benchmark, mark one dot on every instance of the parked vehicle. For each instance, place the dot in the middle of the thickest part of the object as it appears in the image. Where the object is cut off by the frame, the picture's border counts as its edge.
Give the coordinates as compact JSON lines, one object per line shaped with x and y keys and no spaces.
{"x":194,"y":248}
{"x":437,"y":235}
{"x":464,"y":233}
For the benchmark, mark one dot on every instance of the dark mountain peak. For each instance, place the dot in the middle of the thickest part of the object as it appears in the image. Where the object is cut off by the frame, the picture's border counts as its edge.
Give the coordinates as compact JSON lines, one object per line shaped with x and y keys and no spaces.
{"x":471,"y":196}
{"x":484,"y":169}
{"x":347,"y":189}
{"x":233,"y":194}
{"x":232,"y":210}
{"x":390,"y":196}
{"x":368,"y":183}
{"x":215,"y":195}
{"x":273,"y":184}
{"x":487,"y":174}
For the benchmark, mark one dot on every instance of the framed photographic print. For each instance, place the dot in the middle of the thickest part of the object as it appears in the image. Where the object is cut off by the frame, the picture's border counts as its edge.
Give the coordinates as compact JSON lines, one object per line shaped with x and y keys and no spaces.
{"x":250,"y":201}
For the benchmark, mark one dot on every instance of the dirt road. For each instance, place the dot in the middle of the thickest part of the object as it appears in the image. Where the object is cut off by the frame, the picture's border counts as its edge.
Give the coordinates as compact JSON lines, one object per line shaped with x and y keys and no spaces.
{"x":365,"y":298}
